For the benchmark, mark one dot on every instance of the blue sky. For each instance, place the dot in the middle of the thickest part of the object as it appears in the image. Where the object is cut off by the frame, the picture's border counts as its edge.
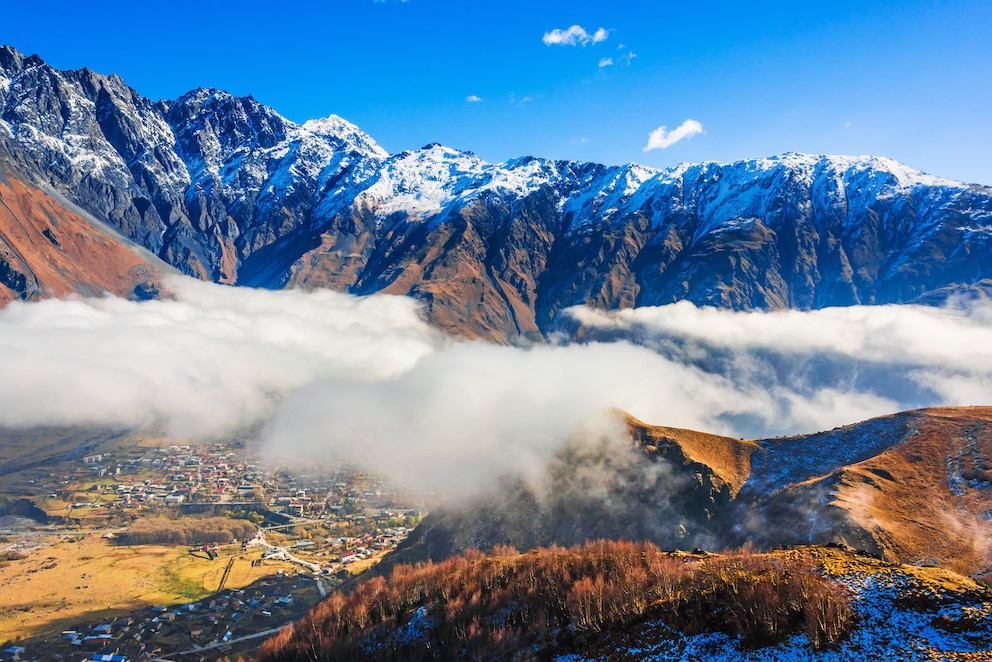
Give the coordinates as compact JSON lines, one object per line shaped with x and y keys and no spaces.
{"x":910,"y":80}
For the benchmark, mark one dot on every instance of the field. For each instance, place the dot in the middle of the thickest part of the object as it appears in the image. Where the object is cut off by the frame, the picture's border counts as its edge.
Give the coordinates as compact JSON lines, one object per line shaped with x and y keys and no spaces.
{"x":87,"y":578}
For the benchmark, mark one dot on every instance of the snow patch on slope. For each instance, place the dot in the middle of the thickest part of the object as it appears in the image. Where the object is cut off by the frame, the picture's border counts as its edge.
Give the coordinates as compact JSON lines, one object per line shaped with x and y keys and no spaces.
{"x":887,"y":630}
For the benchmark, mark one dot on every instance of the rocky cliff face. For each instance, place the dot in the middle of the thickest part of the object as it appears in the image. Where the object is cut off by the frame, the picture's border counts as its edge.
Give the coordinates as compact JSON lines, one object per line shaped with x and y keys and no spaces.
{"x":226,"y":189}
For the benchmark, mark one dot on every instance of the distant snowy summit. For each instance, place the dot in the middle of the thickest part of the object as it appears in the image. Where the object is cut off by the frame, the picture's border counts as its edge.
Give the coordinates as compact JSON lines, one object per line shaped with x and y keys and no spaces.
{"x":226,"y":189}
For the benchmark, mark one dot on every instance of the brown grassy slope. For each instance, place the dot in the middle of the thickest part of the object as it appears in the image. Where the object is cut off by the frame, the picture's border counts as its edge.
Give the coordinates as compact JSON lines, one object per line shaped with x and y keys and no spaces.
{"x":665,"y":485}
{"x":728,"y":458}
{"x":48,"y":250}
{"x":924,"y":497}
{"x":927,"y":499}
{"x":912,"y":487}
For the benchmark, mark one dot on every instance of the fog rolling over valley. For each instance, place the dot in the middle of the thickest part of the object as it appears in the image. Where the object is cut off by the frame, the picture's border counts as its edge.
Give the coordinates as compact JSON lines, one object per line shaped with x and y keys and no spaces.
{"x":735,"y":396}
{"x":331,"y":376}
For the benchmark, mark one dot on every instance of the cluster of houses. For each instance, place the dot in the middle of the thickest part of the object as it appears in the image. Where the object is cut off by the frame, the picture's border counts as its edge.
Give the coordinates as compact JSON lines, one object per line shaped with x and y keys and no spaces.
{"x":216,"y":474}
{"x":373,"y":516}
{"x":346,"y":551}
{"x":222,"y":619}
{"x":173,"y":476}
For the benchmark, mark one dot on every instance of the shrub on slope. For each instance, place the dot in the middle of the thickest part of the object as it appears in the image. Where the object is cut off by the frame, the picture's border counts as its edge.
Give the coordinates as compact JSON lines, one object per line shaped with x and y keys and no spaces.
{"x":509,"y":605}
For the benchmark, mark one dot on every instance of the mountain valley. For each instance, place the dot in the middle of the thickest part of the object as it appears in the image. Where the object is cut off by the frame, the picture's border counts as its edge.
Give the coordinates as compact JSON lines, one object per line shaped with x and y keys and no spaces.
{"x":162,"y":210}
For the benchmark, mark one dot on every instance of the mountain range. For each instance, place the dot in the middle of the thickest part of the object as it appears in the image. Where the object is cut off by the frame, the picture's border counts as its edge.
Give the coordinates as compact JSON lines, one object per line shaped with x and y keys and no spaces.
{"x":105,"y":191}
{"x":225,"y":189}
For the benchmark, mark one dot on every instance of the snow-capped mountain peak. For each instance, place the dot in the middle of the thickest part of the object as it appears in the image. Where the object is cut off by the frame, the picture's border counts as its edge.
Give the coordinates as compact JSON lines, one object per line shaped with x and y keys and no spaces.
{"x":348,"y":134}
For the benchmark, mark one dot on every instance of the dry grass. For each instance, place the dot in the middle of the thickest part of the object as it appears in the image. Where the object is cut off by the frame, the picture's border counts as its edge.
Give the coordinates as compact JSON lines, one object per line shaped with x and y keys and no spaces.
{"x":838,"y":561}
{"x":727,"y":457}
{"x":69,"y":581}
{"x":563,"y":600}
{"x":75,"y":257}
{"x":904,"y":496}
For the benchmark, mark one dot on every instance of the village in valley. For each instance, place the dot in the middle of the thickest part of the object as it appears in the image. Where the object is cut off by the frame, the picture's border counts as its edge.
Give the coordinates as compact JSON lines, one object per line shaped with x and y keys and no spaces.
{"x":243,"y":548}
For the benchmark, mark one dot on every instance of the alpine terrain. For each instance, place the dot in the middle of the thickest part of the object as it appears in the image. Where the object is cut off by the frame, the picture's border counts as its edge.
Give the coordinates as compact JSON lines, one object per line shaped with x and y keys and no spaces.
{"x":103,"y":191}
{"x":225,"y":189}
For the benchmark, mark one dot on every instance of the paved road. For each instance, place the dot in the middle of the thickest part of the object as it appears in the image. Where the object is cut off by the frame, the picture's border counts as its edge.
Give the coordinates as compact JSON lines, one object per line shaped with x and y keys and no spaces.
{"x":197,"y":649}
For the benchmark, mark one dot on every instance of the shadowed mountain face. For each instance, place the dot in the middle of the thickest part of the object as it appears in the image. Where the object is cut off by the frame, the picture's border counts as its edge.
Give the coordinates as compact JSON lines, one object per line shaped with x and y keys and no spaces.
{"x":226,"y":189}
{"x":912,"y":487}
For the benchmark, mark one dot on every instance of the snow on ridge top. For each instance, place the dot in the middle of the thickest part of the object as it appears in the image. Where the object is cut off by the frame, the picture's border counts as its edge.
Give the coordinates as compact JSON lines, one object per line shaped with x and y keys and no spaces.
{"x":202,"y":95}
{"x":334,"y":126}
{"x":635,"y":176}
{"x":520,"y":176}
{"x":423,"y":182}
{"x":908,"y":176}
{"x":808,"y":165}
{"x":615,"y":190}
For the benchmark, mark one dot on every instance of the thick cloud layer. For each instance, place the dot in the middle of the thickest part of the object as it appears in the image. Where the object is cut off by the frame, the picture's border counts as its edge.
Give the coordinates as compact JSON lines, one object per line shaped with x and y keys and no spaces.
{"x":211,"y":361}
{"x":472,"y":411}
{"x":335,"y":376}
{"x":475,"y":411}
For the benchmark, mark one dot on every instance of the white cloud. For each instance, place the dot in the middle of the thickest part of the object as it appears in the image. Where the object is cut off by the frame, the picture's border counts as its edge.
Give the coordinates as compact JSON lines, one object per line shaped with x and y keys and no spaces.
{"x":824,"y":366}
{"x":209,"y":362}
{"x":606,"y":62}
{"x":574,"y":36}
{"x":473,"y":98}
{"x":366,"y":379}
{"x":661,"y":138}
{"x":475,"y":411}
{"x":470,"y":411}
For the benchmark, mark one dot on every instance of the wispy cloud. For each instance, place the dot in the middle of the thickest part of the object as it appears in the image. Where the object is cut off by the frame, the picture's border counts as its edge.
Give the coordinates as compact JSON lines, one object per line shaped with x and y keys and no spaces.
{"x":622,"y":60}
{"x":662,"y":138}
{"x":472,"y":98}
{"x":575,"y":36}
{"x":817,"y":367}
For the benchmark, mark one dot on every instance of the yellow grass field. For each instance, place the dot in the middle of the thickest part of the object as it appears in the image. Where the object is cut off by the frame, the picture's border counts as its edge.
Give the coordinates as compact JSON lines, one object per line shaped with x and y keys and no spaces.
{"x":58,"y":586}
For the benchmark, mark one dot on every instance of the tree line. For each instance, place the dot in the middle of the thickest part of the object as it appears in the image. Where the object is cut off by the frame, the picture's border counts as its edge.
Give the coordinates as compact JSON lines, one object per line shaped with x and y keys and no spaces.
{"x":186,"y":531}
